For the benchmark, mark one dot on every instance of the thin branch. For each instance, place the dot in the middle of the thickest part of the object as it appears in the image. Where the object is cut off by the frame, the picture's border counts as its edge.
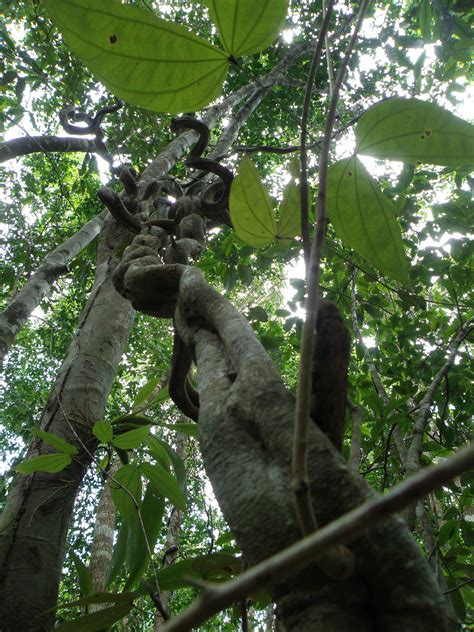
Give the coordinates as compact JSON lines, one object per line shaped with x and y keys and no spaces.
{"x":328,"y":55}
{"x":216,"y":597}
{"x":416,"y":445}
{"x":304,"y":205}
{"x":299,"y":474}
{"x":464,"y":583}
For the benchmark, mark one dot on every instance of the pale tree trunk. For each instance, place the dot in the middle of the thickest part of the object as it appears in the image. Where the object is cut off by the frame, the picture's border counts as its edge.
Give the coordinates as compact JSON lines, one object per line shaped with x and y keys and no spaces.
{"x":34,"y":523}
{"x":102,"y":546}
{"x":171,"y":549}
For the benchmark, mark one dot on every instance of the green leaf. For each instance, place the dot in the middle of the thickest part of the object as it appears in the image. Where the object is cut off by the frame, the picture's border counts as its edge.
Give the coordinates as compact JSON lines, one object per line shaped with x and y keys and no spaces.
{"x":251,"y":208}
{"x":138,"y":559}
{"x":146,"y":390}
{"x":132,"y":438}
{"x":103,"y":431}
{"x":51,"y":463}
{"x":164,"y":483}
{"x":140,"y":58}
{"x":85,"y":579}
{"x":364,"y":218}
{"x":56,"y":442}
{"x":129,"y":477}
{"x":118,"y":556}
{"x":161,"y":397}
{"x":100,"y":597}
{"x":158,"y":451}
{"x":415,"y":131}
{"x":289,"y":225}
{"x":178,"y":465}
{"x":188,"y":429}
{"x":425,"y":16}
{"x":246,"y":27}
{"x":97,"y":620}
{"x":215,"y":566}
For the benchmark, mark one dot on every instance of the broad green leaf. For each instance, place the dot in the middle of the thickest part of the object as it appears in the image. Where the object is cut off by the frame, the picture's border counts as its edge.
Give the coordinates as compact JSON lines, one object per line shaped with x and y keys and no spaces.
{"x":425,"y":17}
{"x":188,"y":429}
{"x":100,"y":597}
{"x":251,"y":208}
{"x":289,"y":225}
{"x":132,"y":438}
{"x":140,"y":58}
{"x":56,"y":442}
{"x":246,"y":26}
{"x":128,"y":477}
{"x":178,"y":465}
{"x":97,"y":620}
{"x":103,"y":431}
{"x":364,"y":218}
{"x":208,"y":567}
{"x":119,"y":553}
{"x":85,"y":579}
{"x":146,"y":390}
{"x":161,"y":397}
{"x":415,"y":131}
{"x":138,"y":559}
{"x":164,"y":483}
{"x":51,"y":463}
{"x":158,"y":451}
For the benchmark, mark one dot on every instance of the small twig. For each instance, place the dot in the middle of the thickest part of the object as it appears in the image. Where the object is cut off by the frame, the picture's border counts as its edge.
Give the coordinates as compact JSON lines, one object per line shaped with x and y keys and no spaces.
{"x":464,"y":583}
{"x":304,"y":205}
{"x":345,"y":529}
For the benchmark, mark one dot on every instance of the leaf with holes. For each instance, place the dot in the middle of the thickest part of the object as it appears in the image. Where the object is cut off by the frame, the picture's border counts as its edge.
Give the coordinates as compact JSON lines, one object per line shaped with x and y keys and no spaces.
{"x":365,"y":219}
{"x":140,"y":58}
{"x":415,"y":131}
{"x":250,"y":207}
{"x":51,"y":463}
{"x":126,"y":490}
{"x":245,"y":26}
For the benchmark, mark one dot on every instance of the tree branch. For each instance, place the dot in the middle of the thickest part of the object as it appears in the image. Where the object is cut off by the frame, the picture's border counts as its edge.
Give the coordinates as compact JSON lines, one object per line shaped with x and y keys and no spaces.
{"x":30,"y":144}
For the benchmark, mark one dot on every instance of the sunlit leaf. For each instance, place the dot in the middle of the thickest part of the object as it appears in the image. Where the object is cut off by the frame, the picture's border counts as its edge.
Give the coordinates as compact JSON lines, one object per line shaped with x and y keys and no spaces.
{"x":365,"y":219}
{"x":246,"y":26}
{"x":127,"y":477}
{"x":56,"y":442}
{"x":51,"y":463}
{"x":97,"y":620}
{"x":146,"y":390}
{"x":158,"y":451}
{"x":140,"y":58}
{"x":164,"y":483}
{"x":250,"y":207}
{"x":188,"y":429}
{"x":103,"y":431}
{"x":289,"y":225}
{"x":132,"y":438}
{"x":415,"y":131}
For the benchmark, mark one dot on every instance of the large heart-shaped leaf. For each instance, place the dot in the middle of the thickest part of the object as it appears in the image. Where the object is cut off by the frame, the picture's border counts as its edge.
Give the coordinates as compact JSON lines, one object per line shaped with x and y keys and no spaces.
{"x":127,"y":477}
{"x":250,"y":207}
{"x":415,"y":131}
{"x":364,"y":218}
{"x":140,"y":58}
{"x":246,"y":26}
{"x":289,"y":225}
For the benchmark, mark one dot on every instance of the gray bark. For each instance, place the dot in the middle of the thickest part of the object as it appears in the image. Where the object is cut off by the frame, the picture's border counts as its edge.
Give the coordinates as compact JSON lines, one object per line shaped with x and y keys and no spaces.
{"x":35,"y":520}
{"x":31,"y":144}
{"x":39,"y":285}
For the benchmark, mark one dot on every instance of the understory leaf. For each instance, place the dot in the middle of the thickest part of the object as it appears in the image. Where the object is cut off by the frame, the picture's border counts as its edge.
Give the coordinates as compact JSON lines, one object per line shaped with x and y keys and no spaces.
{"x":132,"y":438}
{"x":215,"y":566}
{"x":129,"y":477}
{"x":85,"y":579}
{"x":364,"y":218}
{"x":289,"y":225}
{"x":164,"y":483}
{"x":415,"y":131}
{"x":140,"y":58}
{"x":146,"y":390}
{"x":51,"y":463}
{"x":103,"y":431}
{"x":97,"y":620}
{"x":56,"y":442}
{"x":246,"y":26}
{"x":250,"y":207}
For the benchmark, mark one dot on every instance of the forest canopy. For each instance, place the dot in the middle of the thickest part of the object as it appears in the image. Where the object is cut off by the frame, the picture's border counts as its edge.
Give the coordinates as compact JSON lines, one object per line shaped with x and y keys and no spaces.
{"x":256,"y":217}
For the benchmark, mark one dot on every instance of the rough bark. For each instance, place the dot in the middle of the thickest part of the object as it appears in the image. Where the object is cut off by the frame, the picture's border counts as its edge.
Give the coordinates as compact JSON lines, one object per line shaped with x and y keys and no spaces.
{"x":31,"y":144}
{"x":39,"y":285}
{"x":246,"y":412}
